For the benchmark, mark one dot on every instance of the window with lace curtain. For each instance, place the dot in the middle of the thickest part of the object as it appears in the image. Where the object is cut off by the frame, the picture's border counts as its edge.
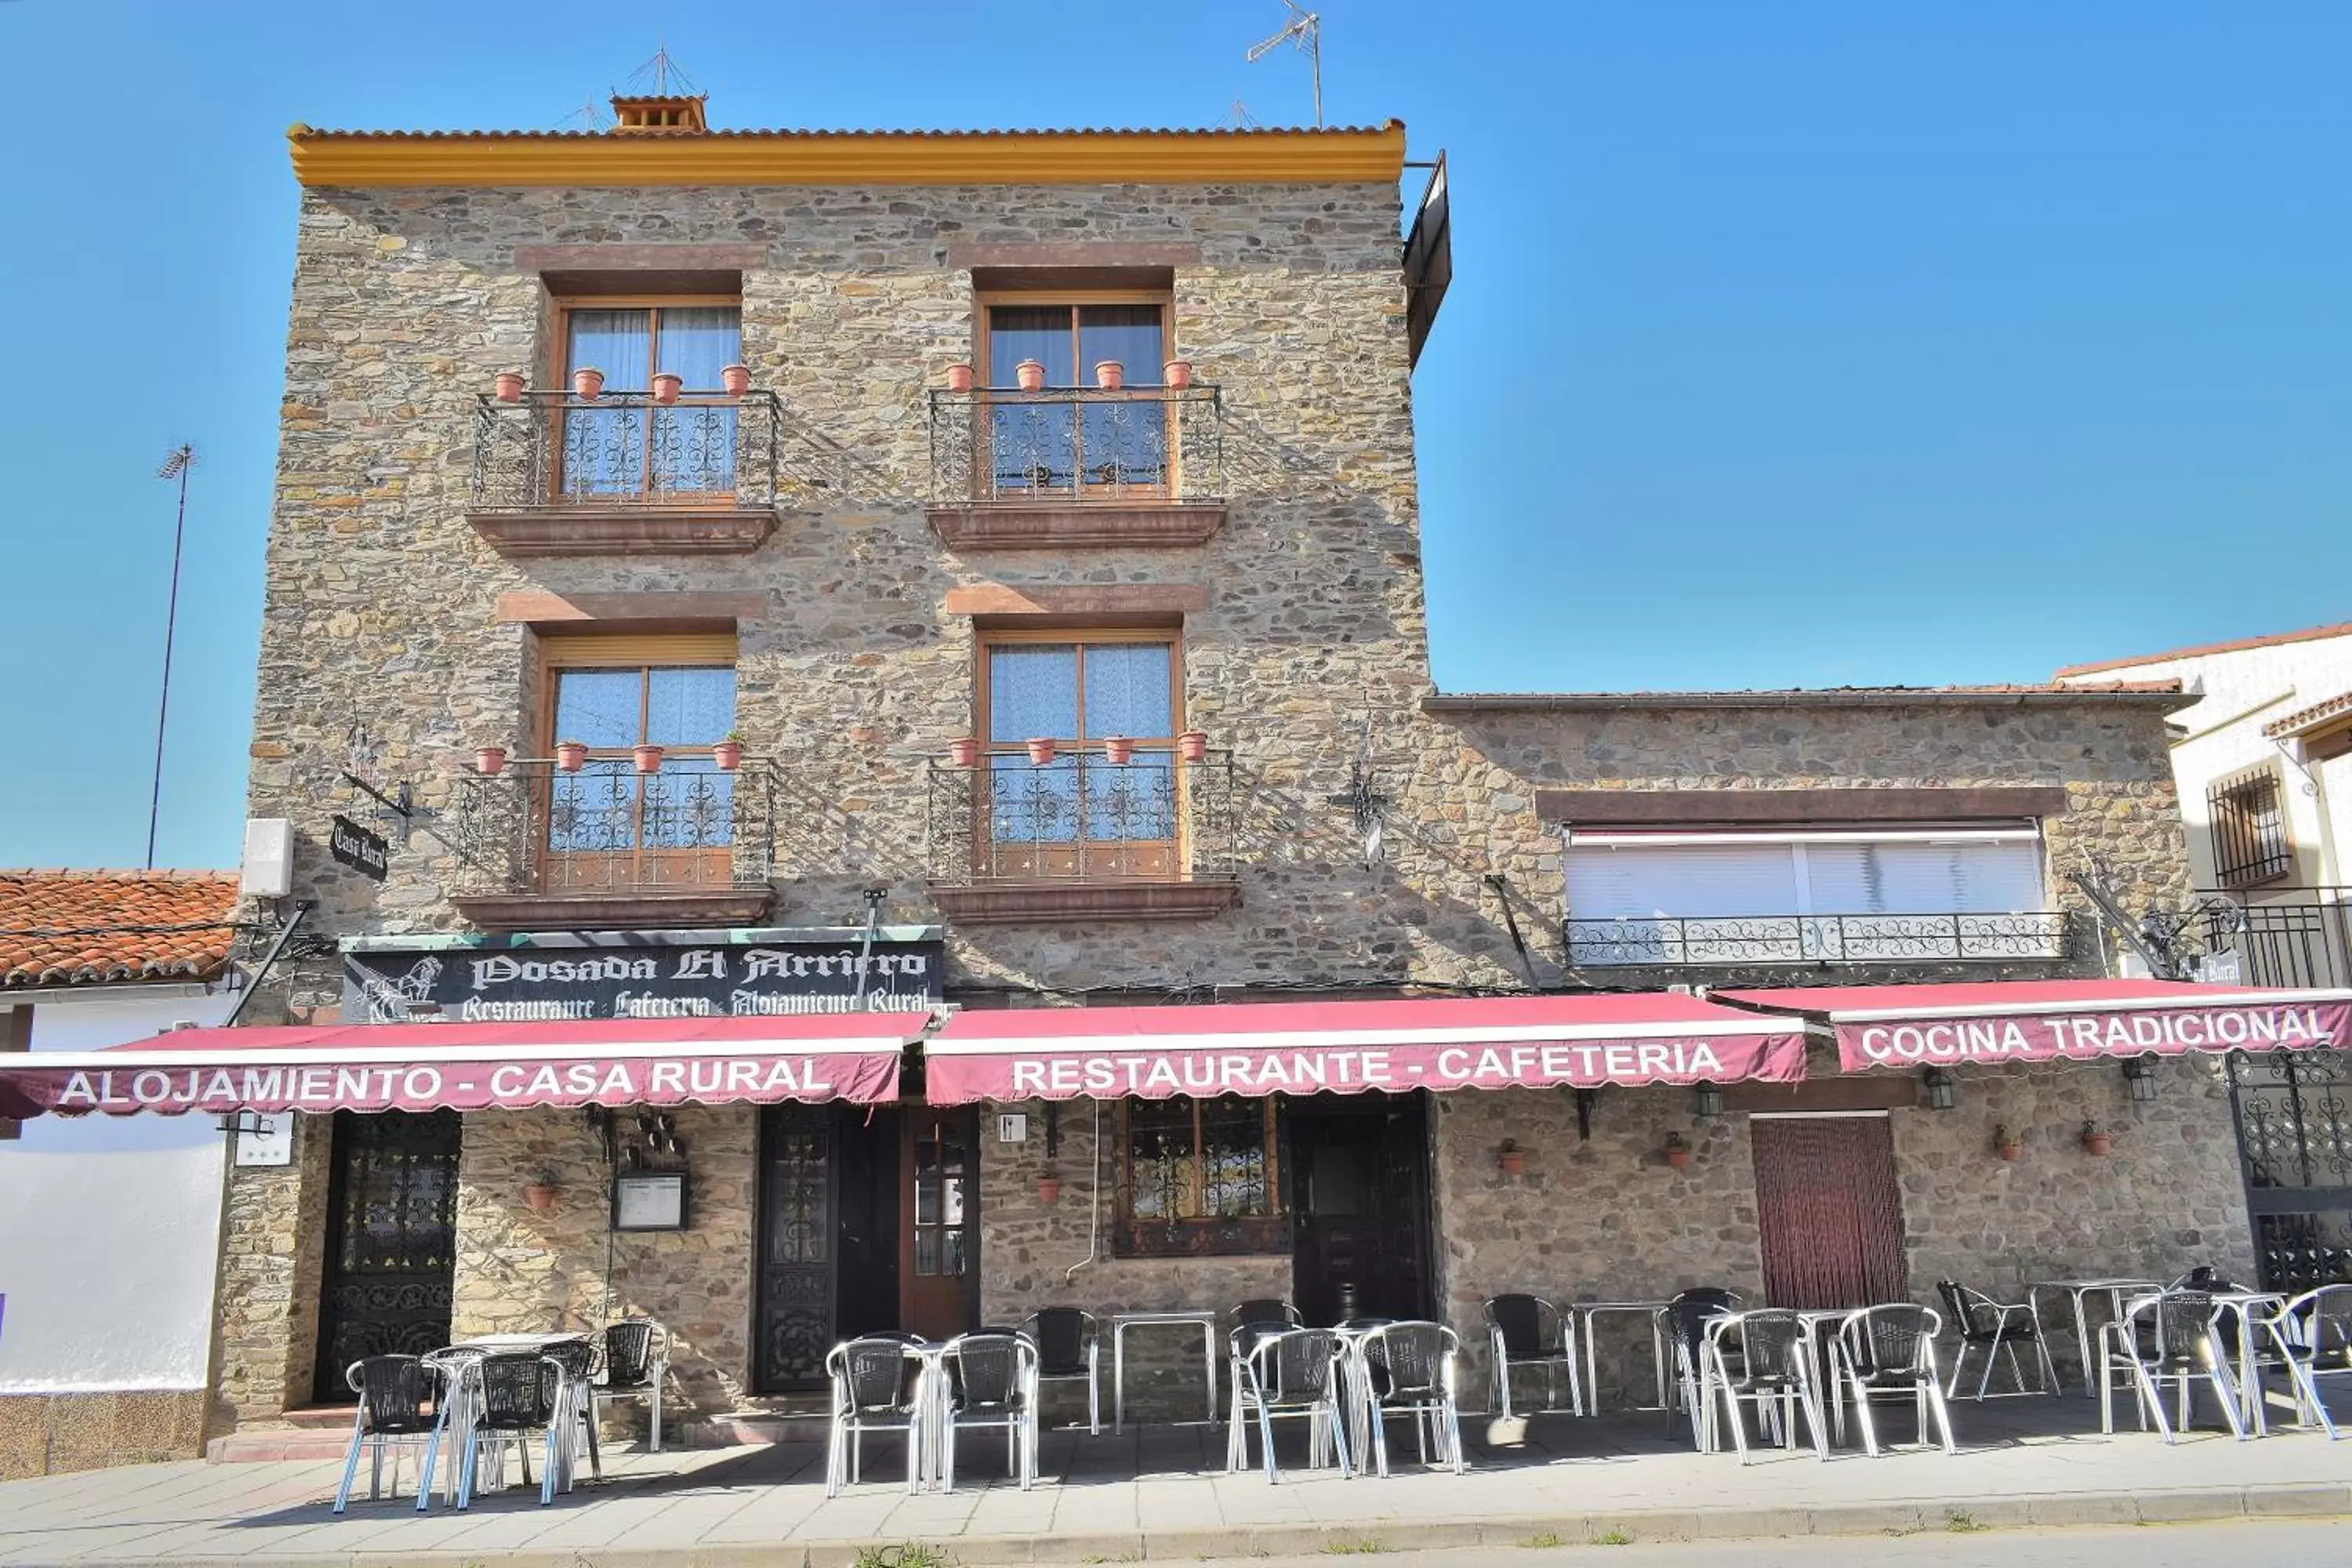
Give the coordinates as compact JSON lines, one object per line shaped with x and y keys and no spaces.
{"x":634,"y":447}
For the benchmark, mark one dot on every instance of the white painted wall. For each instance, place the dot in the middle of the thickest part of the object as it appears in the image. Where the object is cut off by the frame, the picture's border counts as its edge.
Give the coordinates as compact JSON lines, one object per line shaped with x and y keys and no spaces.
{"x":109,"y":1226}
{"x":2245,"y":688}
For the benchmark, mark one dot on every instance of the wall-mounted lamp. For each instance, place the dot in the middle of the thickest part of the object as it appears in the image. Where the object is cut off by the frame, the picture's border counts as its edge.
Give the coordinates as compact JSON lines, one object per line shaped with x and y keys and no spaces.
{"x":1709,"y":1101}
{"x":1939,"y":1089}
{"x":2139,"y":1076}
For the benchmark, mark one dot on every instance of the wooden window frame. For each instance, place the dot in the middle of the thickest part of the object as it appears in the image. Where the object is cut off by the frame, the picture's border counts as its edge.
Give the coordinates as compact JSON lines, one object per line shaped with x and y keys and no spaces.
{"x":2236,"y":828}
{"x":558,"y":354}
{"x":643,"y":653}
{"x":1083,"y":849}
{"x":1196,"y":1235}
{"x":1146,"y":387}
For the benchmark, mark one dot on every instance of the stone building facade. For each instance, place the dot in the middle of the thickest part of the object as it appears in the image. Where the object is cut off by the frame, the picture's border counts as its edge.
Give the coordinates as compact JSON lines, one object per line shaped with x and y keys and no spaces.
{"x":859,"y":610}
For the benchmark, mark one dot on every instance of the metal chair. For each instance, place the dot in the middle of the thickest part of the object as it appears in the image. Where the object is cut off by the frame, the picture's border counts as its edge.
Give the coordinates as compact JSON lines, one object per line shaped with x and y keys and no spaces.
{"x":1997,"y":1328}
{"x":517,"y":1398}
{"x":1529,"y":1333}
{"x":2169,"y":1336}
{"x":1069,"y":1350}
{"x":1290,"y":1372}
{"x":990,"y":1381}
{"x":2313,"y":1335}
{"x":578,"y":1360}
{"x":1409,"y":1370}
{"x":1686,"y":1318}
{"x":393,"y":1392}
{"x":1252,"y":1320}
{"x":454,"y":1365}
{"x":634,"y":1363}
{"x":1774,"y":1372}
{"x":876,"y":1386}
{"x":1890,"y":1350}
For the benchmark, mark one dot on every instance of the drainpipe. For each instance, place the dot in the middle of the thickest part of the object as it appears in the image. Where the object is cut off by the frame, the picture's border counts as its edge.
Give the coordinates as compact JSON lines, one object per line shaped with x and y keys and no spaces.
{"x":1094,"y":1204}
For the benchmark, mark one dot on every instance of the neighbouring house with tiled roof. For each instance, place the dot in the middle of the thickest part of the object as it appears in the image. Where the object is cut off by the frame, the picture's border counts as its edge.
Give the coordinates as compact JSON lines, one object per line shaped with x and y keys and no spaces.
{"x":2263,"y":761}
{"x":105,"y":1362}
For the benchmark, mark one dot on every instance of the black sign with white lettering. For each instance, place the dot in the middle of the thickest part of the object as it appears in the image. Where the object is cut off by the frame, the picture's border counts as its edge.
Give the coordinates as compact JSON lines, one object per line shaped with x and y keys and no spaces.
{"x":634,"y":980}
{"x":355,"y":846}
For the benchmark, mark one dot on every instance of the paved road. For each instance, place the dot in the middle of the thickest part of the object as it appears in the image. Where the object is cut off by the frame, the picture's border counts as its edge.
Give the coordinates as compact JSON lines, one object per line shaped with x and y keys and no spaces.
{"x":2146,"y":1546}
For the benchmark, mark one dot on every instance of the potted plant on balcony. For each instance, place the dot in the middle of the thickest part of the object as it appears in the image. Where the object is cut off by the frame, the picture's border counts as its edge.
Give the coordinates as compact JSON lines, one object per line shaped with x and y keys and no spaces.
{"x":1030,"y":376}
{"x":735,"y":379}
{"x":1176,"y":374}
{"x":1118,"y":750}
{"x":648,"y":757}
{"x":1040,"y":749}
{"x":964,"y":752}
{"x":1109,"y":375}
{"x":2006,"y":1144}
{"x":1678,"y":1153}
{"x":2096,"y":1140}
{"x":507,"y":386}
{"x":541,"y":1194}
{"x":959,"y":376}
{"x":1193,"y":745}
{"x":588,"y":384}
{"x":668,"y":384}
{"x":729,"y":753}
{"x":570,"y":755}
{"x":491,"y":761}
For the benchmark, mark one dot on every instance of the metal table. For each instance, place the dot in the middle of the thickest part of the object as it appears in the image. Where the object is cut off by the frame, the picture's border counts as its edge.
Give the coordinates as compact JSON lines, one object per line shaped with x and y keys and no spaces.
{"x":2115,"y":1291}
{"x":1587,"y":1312}
{"x":1122,"y":1321}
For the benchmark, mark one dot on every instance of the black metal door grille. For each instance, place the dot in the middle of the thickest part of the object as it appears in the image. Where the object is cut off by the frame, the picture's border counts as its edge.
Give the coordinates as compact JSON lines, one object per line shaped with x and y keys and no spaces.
{"x":392,"y":1209}
{"x":796,"y":1301}
{"x":2295,"y":1140}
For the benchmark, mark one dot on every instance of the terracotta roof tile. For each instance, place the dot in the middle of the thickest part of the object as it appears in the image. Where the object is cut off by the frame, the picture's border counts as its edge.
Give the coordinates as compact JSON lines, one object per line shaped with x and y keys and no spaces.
{"x":60,"y":927}
{"x":2303,"y":719}
{"x":2308,"y":634}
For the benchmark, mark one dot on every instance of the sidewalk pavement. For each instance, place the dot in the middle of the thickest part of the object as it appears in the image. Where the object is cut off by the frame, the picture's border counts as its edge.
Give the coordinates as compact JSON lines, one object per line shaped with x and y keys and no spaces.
{"x":1162,"y":1493}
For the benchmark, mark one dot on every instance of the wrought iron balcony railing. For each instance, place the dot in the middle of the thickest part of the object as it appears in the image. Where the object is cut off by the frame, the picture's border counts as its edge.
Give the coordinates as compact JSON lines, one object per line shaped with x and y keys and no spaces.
{"x":551,"y":449}
{"x":1083,"y":818}
{"x":606,"y":828}
{"x":1823,"y":938}
{"x":1081,"y":444}
{"x":2304,"y":943}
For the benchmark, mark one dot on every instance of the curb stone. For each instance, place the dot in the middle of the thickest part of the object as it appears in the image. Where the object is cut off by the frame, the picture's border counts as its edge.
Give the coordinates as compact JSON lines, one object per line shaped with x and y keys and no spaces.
{"x":1225,"y":1542}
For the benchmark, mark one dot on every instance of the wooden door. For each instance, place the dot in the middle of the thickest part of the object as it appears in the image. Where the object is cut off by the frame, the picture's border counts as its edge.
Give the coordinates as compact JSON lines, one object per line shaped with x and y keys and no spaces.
{"x":1358,"y":1180}
{"x":1829,"y":1211}
{"x":939,"y":1222}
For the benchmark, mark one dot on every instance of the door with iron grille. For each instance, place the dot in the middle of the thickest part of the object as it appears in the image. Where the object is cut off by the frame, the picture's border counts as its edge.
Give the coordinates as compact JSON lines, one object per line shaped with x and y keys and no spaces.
{"x":798,"y":1254}
{"x":392,"y":1207}
{"x":2293,"y":1115}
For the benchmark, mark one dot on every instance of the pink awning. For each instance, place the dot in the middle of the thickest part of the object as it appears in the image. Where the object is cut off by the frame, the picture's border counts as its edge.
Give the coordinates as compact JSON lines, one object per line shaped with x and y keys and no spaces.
{"x":1300,"y":1048}
{"x":2058,"y":1020}
{"x":473,"y":1067}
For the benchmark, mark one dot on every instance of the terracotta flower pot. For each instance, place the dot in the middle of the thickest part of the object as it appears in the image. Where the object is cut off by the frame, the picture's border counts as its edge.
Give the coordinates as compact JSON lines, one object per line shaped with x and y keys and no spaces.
{"x":491,"y":761}
{"x":1030,"y":375}
{"x":650,"y":759}
{"x":1118,"y":750}
{"x":1041,"y":751}
{"x":570,"y":756}
{"x":588,"y":385}
{"x":666,"y":387}
{"x":1176,"y":374}
{"x":539,"y":1195}
{"x":1109,"y":375}
{"x":2099,"y":1143}
{"x":2009,"y":1151}
{"x":509,"y":387}
{"x":736,"y":379}
{"x":1513,"y":1163}
{"x":1677,"y":1155}
{"x":727,"y":754}
{"x":960,"y":377}
{"x":1049,"y":1189}
{"x":1193,"y":745}
{"x":964,"y":753}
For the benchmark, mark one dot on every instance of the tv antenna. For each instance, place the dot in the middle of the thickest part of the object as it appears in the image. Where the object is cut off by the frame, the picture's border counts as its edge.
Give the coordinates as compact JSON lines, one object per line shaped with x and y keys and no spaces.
{"x":588,"y":117}
{"x":175,"y":467}
{"x":1305,"y":32}
{"x":1240,"y":118}
{"x":662,"y":69}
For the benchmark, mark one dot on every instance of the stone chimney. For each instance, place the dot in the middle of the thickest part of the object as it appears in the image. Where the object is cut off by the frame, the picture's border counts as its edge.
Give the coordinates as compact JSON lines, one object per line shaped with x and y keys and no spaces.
{"x":658,"y":116}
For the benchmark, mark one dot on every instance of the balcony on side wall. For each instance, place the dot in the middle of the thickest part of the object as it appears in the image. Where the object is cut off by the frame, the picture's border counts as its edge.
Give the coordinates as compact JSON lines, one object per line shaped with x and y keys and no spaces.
{"x":2032,"y":937}
{"x":2289,"y":936}
{"x":605,"y":844}
{"x":1117,"y":468}
{"x":627,"y":473}
{"x":1081,"y":838}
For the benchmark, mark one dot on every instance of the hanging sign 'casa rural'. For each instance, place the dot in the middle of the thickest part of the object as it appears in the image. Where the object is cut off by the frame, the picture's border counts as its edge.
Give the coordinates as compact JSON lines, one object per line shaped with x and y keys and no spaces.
{"x":355,"y":846}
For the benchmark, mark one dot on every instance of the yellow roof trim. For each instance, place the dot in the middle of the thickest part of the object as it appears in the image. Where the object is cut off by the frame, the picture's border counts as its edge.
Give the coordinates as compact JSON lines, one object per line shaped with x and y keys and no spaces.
{"x":367,"y":160}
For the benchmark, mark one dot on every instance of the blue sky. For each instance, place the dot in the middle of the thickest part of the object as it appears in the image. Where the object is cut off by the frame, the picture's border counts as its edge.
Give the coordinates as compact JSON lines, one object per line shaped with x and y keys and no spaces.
{"x":1811,"y":343}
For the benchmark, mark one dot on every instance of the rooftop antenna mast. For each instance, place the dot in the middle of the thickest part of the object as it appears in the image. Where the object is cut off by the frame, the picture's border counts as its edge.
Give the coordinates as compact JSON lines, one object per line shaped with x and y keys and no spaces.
{"x":175,"y":467}
{"x":662,"y":69}
{"x":1305,"y":32}
{"x":1240,"y":118}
